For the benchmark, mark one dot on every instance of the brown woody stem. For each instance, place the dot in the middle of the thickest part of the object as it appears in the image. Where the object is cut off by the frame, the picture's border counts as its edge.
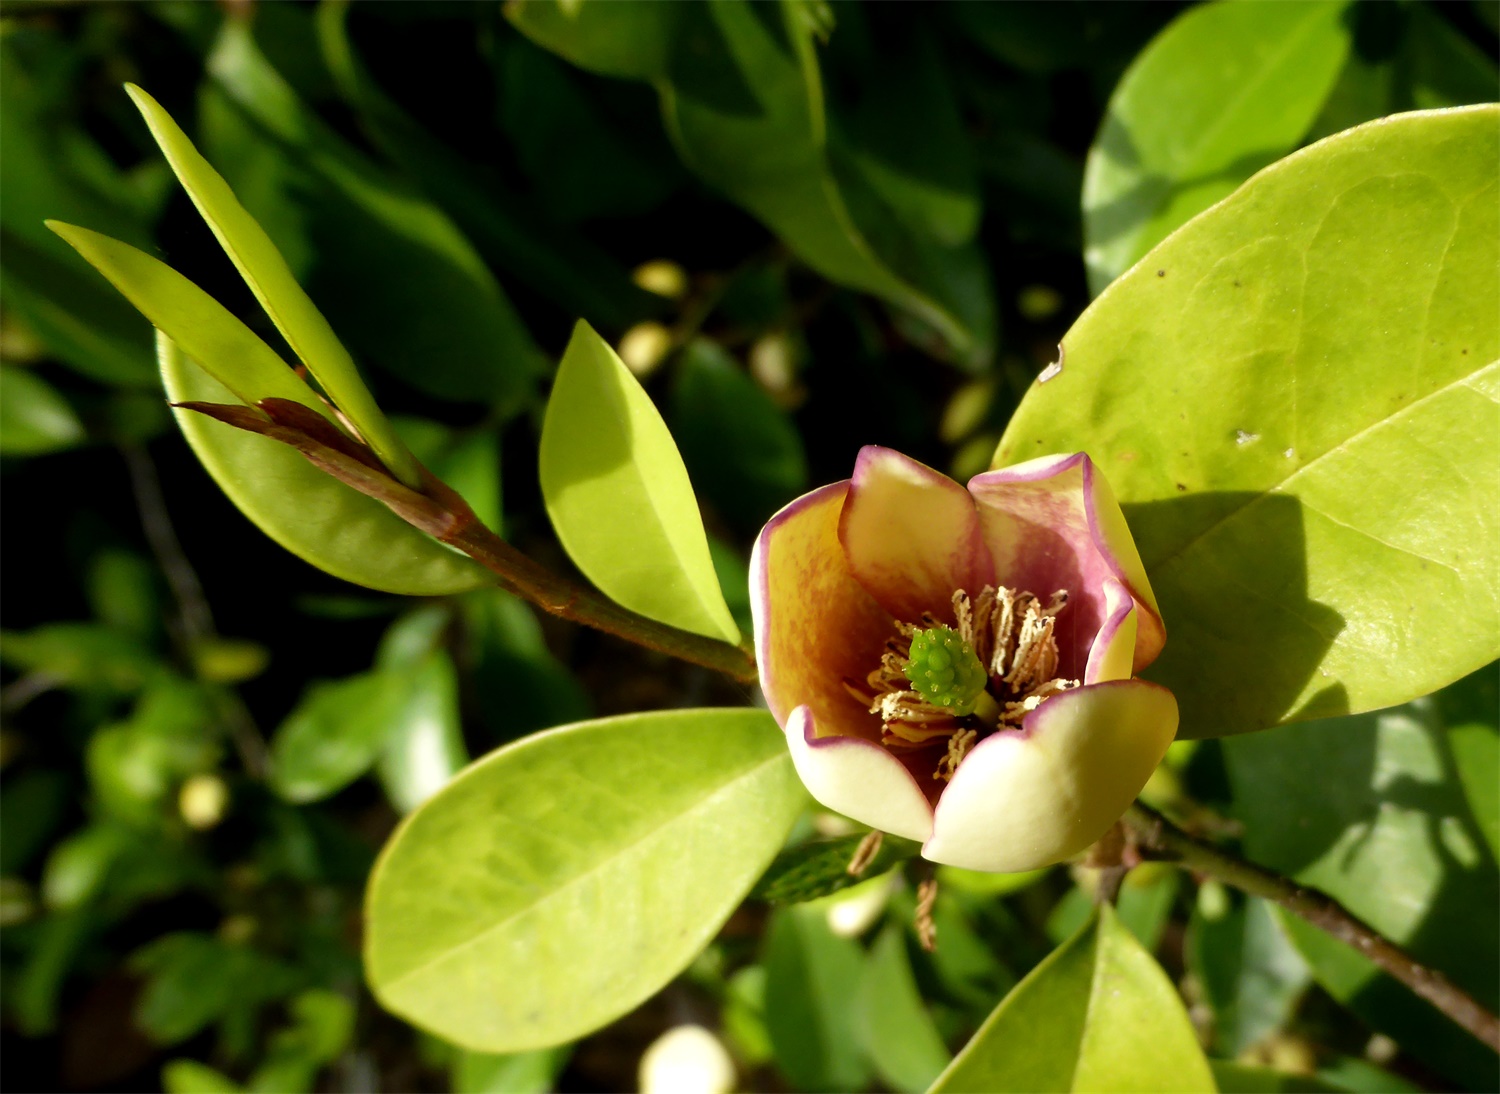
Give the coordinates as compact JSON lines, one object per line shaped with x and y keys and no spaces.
{"x":439,"y":511}
{"x":1156,"y":837}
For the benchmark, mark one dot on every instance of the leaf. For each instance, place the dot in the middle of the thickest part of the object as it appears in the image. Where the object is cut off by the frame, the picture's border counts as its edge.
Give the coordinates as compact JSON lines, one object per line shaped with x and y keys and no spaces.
{"x":506,"y":644}
{"x":1370,"y":810}
{"x":812,"y":981}
{"x":1235,"y":1078}
{"x":191,"y":1077}
{"x":271,"y":280}
{"x":1223,"y":91}
{"x":1468,"y":710}
{"x":1143,"y":908}
{"x":194,"y":980}
{"x":742,"y":99}
{"x":742,"y":450}
{"x":820,"y":868}
{"x":391,"y":270}
{"x":509,"y":1073}
{"x":1251,"y":974}
{"x":581,"y":868}
{"x":1294,"y":400}
{"x":81,"y":322}
{"x":1098,"y":1014}
{"x":312,"y":515}
{"x":895,"y":1029}
{"x":619,"y":496}
{"x":467,"y":460}
{"x":80,"y":655}
{"x":34,"y":418}
{"x":425,"y":747}
{"x":333,"y":736}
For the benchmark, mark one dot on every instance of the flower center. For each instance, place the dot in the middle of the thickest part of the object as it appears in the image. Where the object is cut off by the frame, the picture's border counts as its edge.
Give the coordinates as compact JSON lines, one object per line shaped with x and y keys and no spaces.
{"x":956,"y":685}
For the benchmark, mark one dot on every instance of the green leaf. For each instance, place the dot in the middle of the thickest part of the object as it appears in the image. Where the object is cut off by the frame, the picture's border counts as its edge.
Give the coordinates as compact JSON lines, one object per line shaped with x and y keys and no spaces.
{"x":80,"y":655}
{"x":467,"y":460}
{"x":333,"y":736}
{"x":194,"y":980}
{"x":1223,"y":91}
{"x":389,"y":268}
{"x":743,"y":101}
{"x":271,"y":280}
{"x":34,"y":418}
{"x":812,"y":986}
{"x":509,"y":1073}
{"x":506,"y":644}
{"x":1143,"y":908}
{"x":317,"y":518}
{"x":1469,"y":713}
{"x":894,"y":1026}
{"x":581,"y":868}
{"x":1276,"y":395}
{"x":1098,"y":1014}
{"x":1371,"y":810}
{"x":191,"y":1077}
{"x":1251,"y":974}
{"x":425,"y":747}
{"x":81,"y":322}
{"x":742,"y":450}
{"x":619,"y":496}
{"x":35,"y":803}
{"x":820,"y":868}
{"x":1235,"y":1078}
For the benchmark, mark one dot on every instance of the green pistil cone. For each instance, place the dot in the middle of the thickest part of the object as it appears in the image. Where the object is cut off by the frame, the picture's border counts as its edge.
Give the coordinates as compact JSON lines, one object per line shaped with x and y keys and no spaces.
{"x":945,"y":671}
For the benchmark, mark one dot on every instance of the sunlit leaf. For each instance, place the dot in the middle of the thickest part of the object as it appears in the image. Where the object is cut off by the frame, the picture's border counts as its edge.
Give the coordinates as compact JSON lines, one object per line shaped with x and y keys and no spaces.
{"x":619,"y":496}
{"x":1098,"y":1015}
{"x":34,"y":418}
{"x":509,"y":1073}
{"x":270,"y":279}
{"x":317,"y":518}
{"x":1223,"y":91}
{"x":1370,"y":810}
{"x":892,"y":1021}
{"x":812,"y":984}
{"x":1294,"y":399}
{"x":581,"y":868}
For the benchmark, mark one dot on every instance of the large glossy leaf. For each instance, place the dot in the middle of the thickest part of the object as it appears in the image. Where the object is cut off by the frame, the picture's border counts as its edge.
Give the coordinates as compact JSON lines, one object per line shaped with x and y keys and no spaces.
{"x":619,"y":496}
{"x":812,"y":989}
{"x":393,"y":272}
{"x":1098,"y":1015}
{"x":34,"y":418}
{"x":1294,"y":399}
{"x":742,"y":96}
{"x":1223,"y":91}
{"x":270,"y":279}
{"x":1371,"y":810}
{"x":556,"y":883}
{"x":315,"y":517}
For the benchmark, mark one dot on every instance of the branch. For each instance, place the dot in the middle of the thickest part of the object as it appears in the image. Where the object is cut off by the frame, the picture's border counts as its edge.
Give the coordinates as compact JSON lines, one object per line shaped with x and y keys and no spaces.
{"x":1158,"y":838}
{"x":439,"y":511}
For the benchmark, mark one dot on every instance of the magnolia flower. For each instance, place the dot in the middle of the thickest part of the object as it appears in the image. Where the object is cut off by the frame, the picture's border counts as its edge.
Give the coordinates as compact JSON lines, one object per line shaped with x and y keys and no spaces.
{"x":956,"y":665}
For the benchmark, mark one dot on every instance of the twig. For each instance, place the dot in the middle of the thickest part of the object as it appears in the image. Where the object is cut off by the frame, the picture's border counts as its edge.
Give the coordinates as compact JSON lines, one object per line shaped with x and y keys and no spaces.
{"x":439,"y":511}
{"x":1158,"y":838}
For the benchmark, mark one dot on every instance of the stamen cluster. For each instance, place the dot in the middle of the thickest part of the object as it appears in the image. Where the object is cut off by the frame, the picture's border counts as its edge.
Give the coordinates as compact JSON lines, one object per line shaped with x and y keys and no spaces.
{"x":962,"y":683}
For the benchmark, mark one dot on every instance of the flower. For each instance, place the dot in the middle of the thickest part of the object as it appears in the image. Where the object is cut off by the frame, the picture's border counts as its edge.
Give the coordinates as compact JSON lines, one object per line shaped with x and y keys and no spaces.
{"x":956,"y":665}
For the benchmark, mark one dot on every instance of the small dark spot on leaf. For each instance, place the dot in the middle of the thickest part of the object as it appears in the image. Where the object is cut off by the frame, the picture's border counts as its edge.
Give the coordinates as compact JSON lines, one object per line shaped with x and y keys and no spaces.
{"x":1161,"y":273}
{"x":1465,"y":352}
{"x":1236,"y":283}
{"x":1182,"y":486}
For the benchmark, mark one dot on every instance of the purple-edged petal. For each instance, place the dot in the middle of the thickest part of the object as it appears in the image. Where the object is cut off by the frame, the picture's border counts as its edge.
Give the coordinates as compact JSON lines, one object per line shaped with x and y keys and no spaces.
{"x":815,"y":625}
{"x":1051,"y":524}
{"x":858,"y":778}
{"x":912,"y":535}
{"x":1113,"y":652}
{"x":1035,"y":796}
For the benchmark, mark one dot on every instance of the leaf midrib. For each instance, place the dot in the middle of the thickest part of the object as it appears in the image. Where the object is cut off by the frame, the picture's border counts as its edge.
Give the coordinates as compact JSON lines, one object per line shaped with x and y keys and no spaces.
{"x":392,"y":985}
{"x":1279,"y":486}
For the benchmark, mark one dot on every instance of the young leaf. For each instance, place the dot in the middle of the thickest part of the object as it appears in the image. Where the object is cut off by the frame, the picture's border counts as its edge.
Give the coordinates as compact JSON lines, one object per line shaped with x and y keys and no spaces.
{"x":1223,"y":91}
{"x":581,"y":868}
{"x":1098,"y":1015}
{"x":317,"y":518}
{"x":269,"y":278}
{"x":1294,"y":400}
{"x":619,"y":496}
